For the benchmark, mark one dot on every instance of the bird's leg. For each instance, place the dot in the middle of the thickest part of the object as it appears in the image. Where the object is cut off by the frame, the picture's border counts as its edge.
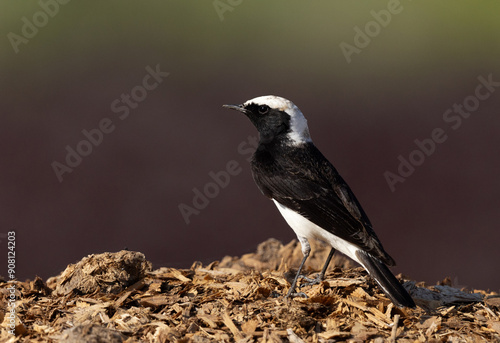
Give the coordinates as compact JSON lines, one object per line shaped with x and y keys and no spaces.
{"x":291,"y":292}
{"x":321,"y":275}
{"x":306,"y":250}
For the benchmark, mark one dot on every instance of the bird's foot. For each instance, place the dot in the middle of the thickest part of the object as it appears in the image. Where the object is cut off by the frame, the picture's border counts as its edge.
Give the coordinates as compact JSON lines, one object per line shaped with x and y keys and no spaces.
{"x":310,"y":281}
{"x":293,"y":294}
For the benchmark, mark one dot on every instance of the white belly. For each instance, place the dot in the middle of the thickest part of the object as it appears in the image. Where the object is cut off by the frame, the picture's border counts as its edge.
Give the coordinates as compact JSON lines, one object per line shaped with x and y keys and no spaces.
{"x":305,"y":229}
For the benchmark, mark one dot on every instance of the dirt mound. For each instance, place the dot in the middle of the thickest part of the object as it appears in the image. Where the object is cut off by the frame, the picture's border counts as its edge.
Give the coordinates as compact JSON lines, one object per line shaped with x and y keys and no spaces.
{"x":116,"y":297}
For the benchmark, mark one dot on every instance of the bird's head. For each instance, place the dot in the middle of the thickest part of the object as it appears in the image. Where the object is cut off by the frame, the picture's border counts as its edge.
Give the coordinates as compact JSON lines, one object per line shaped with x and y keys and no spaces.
{"x":275,"y":118}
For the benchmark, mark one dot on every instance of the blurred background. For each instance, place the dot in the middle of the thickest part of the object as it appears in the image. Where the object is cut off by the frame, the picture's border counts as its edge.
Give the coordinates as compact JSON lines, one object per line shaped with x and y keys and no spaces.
{"x":370,"y":77}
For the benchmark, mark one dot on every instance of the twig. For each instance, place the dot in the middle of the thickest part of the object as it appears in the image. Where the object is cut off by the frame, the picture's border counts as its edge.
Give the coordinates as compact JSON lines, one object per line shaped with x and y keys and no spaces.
{"x":395,"y":328}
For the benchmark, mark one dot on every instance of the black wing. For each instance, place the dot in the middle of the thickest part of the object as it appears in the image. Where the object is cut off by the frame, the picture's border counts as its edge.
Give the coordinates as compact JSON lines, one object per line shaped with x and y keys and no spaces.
{"x":314,"y":188}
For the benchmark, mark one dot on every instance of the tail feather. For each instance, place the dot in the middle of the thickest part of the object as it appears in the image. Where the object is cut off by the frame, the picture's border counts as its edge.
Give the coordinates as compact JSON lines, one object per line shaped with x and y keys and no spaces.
{"x":385,"y":279}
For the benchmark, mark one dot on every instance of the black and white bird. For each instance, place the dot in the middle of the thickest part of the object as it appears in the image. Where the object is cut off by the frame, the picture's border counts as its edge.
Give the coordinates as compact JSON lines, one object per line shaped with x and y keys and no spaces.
{"x":311,"y":195}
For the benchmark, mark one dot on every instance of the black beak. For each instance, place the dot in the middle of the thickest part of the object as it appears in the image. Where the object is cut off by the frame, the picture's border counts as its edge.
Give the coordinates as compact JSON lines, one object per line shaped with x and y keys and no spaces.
{"x":238,"y":108}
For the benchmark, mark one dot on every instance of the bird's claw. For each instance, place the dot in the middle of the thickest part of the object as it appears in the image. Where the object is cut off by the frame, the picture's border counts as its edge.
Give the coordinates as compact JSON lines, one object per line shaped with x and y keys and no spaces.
{"x":310,"y":282}
{"x":297,"y":294}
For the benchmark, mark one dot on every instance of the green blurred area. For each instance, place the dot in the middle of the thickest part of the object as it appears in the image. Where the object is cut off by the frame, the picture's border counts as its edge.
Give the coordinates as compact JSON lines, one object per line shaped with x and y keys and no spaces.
{"x":425,"y":38}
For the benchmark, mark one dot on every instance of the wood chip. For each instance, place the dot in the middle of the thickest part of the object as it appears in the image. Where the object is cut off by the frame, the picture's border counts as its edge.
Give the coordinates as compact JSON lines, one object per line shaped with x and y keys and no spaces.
{"x":334,"y":334}
{"x":239,"y":299}
{"x":229,"y":323}
{"x":292,"y":337}
{"x":177,"y":274}
{"x":394,"y":331}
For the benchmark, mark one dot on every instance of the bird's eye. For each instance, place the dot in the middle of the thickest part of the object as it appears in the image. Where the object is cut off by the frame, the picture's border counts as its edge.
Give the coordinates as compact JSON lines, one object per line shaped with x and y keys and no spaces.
{"x":263,"y":109}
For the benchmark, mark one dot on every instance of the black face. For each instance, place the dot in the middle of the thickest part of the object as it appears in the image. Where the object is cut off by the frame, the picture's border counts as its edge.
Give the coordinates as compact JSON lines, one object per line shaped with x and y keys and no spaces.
{"x":271,"y":123}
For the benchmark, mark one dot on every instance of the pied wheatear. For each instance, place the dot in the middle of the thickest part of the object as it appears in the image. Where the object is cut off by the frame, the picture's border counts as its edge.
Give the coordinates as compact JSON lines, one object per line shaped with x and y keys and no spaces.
{"x":311,"y":195}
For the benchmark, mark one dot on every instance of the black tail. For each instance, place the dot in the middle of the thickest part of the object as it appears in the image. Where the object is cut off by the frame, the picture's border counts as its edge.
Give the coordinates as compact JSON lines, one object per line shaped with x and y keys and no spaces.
{"x":386,"y":280}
